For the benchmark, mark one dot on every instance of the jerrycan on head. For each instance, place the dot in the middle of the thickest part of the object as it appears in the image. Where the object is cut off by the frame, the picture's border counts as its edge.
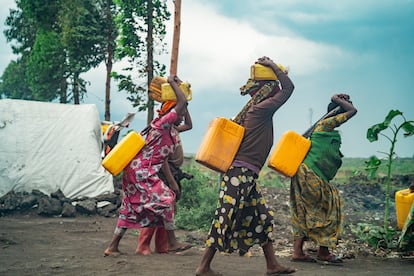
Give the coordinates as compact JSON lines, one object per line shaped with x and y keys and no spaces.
{"x":261,"y":72}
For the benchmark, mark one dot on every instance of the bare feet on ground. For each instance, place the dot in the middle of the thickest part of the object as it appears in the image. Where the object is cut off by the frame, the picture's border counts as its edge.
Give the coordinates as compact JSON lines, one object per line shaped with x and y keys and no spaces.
{"x":179,"y":247}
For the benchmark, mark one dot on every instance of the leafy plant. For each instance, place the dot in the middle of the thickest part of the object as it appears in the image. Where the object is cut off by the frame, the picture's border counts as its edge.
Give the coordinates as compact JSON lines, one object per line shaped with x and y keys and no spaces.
{"x":195,"y":209}
{"x":375,"y":236}
{"x":373,"y":163}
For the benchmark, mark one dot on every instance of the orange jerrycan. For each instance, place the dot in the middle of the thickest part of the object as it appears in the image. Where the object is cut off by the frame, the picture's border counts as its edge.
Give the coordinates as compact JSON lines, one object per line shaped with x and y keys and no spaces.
{"x":289,"y":153}
{"x":123,"y":152}
{"x":220,"y":144}
{"x":403,"y":201}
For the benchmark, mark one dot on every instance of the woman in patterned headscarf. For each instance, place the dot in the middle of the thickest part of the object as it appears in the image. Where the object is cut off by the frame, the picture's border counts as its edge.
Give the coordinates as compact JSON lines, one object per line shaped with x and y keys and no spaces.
{"x":315,"y":204}
{"x":243,"y":218}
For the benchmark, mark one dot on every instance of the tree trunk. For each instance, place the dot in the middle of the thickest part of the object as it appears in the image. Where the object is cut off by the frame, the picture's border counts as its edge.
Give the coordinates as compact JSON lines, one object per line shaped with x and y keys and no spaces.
{"x":75,"y":89}
{"x":63,"y":91}
{"x":109,"y":62}
{"x":150,"y":59}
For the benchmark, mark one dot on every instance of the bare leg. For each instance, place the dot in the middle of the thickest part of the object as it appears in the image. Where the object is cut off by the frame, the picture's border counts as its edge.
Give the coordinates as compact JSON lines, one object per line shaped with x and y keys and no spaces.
{"x":204,"y":266}
{"x":113,"y":246}
{"x":298,"y":254}
{"x":298,"y":248}
{"x":323,"y":252}
{"x":325,"y":255}
{"x":144,"y":241}
{"x":272,"y":264}
{"x":161,"y":241}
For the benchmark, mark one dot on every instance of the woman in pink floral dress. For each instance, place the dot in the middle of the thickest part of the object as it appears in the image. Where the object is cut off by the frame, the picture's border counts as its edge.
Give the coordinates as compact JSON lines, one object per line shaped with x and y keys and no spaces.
{"x":147,"y":201}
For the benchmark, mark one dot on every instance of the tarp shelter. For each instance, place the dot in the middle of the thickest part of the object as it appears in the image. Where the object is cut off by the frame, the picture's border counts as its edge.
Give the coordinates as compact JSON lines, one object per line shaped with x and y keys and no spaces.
{"x":49,"y":146}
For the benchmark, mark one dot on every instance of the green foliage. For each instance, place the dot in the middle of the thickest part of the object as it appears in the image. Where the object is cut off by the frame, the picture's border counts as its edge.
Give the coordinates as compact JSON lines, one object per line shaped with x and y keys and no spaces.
{"x":46,"y":66}
{"x":83,"y":37}
{"x":132,"y":21}
{"x":59,"y":40}
{"x":195,"y":209}
{"x":269,"y":178}
{"x":22,"y":28}
{"x":372,"y":166}
{"x":357,"y":166}
{"x":373,"y":163}
{"x":136,"y":92}
{"x":141,"y":34}
{"x":13,"y":83}
{"x":376,"y":236}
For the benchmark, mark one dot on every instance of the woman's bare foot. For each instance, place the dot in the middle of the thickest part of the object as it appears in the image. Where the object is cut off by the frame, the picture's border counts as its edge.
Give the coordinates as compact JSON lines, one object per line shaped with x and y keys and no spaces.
{"x":281,"y":271}
{"x":179,"y":247}
{"x":303,"y":258}
{"x":112,"y":253}
{"x":144,"y":252}
{"x":208,"y":273}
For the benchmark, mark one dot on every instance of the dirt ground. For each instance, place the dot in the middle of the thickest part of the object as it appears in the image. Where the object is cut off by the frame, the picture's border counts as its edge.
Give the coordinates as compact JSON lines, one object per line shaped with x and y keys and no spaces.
{"x":35,"y":245}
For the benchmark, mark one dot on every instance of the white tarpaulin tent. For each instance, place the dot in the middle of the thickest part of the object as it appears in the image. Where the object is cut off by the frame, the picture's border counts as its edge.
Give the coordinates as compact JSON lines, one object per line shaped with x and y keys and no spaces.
{"x":48,"y":146}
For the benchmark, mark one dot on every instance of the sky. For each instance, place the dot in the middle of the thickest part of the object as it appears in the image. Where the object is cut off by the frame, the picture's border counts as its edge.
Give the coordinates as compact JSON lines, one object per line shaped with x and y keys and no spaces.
{"x":362,"y":48}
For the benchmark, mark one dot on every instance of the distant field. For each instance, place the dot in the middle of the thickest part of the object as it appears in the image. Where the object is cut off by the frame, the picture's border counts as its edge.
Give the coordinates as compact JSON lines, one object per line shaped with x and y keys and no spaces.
{"x":350,"y":167}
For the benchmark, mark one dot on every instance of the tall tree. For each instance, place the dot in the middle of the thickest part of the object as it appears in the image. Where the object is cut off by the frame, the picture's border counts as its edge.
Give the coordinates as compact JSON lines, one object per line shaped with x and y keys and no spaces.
{"x":82,"y":37}
{"x":140,"y":19}
{"x":109,"y":11}
{"x":46,"y":68}
{"x":26,"y":23}
{"x":22,"y":29}
{"x":78,"y":34}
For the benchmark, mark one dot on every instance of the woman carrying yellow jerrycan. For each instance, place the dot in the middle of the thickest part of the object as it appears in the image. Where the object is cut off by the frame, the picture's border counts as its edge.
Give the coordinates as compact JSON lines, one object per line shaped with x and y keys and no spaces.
{"x":316,"y":205}
{"x":147,"y":201}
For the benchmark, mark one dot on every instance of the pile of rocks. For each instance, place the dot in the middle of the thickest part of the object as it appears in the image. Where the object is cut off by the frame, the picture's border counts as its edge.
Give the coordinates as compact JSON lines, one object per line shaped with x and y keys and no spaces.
{"x":58,"y":205}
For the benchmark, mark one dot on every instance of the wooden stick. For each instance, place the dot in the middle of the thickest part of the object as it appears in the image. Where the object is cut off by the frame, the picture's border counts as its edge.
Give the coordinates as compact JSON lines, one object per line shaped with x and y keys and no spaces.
{"x":176,"y":37}
{"x":333,"y":112}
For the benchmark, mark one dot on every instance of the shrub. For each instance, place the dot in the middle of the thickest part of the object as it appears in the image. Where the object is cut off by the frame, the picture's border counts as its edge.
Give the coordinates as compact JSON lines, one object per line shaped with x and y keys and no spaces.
{"x":195,"y":209}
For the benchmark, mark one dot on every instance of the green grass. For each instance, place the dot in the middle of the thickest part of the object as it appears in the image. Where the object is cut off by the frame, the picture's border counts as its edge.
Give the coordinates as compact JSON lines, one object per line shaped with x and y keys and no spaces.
{"x":350,"y":167}
{"x":356,"y":166}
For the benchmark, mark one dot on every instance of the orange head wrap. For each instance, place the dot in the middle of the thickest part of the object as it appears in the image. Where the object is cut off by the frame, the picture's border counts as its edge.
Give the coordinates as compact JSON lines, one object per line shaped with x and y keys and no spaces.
{"x":166,"y":107}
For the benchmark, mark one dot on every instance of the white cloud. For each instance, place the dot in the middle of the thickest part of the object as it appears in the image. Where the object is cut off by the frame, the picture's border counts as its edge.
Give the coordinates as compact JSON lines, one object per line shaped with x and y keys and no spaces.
{"x":216,"y":51}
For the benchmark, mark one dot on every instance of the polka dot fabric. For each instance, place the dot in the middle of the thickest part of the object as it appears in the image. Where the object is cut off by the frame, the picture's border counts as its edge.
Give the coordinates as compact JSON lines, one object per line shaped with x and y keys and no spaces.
{"x":242,"y":217}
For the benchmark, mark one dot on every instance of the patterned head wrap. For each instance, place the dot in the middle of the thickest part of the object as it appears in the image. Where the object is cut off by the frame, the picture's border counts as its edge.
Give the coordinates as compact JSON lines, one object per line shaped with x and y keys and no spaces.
{"x":166,"y":107}
{"x":258,"y":90}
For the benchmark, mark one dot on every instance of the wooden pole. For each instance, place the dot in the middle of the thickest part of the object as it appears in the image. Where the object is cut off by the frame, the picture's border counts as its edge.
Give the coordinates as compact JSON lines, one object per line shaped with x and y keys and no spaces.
{"x":176,"y":37}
